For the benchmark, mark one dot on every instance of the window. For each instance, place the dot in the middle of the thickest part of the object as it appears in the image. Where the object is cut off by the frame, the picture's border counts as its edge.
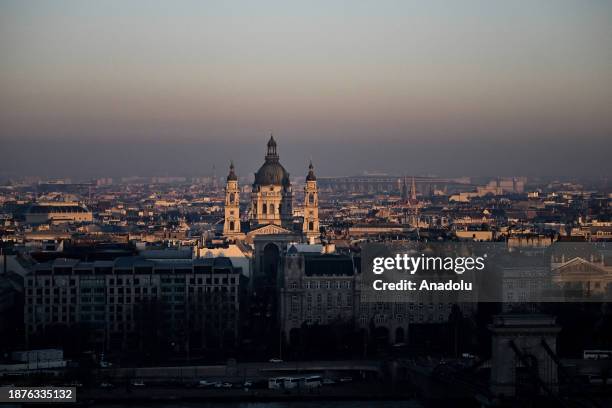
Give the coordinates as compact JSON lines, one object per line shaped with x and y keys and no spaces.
{"x":311,"y":226}
{"x":231,"y":225}
{"x":265,"y":208}
{"x":295,"y":306}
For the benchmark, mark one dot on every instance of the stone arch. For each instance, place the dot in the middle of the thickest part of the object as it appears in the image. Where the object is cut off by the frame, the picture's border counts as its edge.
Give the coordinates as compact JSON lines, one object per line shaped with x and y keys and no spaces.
{"x":271,"y":261}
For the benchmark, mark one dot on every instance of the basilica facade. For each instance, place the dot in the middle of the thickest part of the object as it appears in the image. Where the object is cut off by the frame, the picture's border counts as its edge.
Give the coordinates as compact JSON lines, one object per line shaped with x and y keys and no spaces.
{"x":270,"y":211}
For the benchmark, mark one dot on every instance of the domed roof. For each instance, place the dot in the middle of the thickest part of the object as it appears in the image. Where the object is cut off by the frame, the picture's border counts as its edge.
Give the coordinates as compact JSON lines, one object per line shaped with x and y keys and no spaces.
{"x":272,"y":172}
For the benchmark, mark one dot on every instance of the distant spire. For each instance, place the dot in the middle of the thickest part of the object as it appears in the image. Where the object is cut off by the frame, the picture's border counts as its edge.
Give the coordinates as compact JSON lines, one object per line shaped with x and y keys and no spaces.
{"x":215,"y":180}
{"x":413,"y":192}
{"x":404,"y":189}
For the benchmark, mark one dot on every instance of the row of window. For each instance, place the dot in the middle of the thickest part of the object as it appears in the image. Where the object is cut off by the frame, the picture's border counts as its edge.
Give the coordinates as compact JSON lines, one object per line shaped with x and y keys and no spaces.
{"x":401,"y":307}
{"x":329,"y":299}
{"x":383,"y":319}
{"x":132,"y":281}
{"x":320,"y":284}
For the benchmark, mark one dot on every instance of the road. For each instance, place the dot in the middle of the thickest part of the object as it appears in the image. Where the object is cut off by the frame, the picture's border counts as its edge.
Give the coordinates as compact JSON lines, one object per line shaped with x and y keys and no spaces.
{"x":253,"y":371}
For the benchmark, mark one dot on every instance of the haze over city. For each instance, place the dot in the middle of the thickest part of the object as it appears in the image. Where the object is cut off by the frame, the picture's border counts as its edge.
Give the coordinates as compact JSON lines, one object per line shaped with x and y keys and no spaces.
{"x":451,"y":88}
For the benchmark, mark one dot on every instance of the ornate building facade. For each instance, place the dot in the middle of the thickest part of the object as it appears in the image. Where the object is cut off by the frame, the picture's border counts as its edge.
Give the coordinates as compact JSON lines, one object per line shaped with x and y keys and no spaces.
{"x":271,"y":196}
{"x":271,"y":208}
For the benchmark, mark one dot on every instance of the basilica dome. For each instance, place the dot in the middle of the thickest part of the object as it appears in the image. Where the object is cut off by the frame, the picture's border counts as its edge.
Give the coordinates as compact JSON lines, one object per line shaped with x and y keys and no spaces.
{"x":272,"y":172}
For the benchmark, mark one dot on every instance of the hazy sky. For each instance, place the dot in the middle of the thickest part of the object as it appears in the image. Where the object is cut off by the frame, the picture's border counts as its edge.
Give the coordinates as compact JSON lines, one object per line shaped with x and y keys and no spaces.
{"x":170,"y":87}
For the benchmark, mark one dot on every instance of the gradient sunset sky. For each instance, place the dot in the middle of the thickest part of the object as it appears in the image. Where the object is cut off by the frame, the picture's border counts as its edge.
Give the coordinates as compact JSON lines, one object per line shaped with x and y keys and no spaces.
{"x":408,"y":87}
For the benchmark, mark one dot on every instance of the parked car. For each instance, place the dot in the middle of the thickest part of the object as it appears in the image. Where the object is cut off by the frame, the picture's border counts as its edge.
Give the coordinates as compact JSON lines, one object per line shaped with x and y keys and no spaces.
{"x":346,"y":379}
{"x":205,"y":383}
{"x":138,"y":383}
{"x":106,"y":385}
{"x":275,"y":360}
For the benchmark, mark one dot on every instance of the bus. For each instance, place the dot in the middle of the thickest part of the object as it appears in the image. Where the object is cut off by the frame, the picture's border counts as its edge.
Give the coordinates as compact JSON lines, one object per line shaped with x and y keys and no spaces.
{"x":291,"y":382}
{"x":275,"y":383}
{"x":314,"y":381}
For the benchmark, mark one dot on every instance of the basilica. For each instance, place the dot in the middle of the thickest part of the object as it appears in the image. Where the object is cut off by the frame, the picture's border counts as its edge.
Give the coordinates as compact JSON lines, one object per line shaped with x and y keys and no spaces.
{"x":268,"y":223}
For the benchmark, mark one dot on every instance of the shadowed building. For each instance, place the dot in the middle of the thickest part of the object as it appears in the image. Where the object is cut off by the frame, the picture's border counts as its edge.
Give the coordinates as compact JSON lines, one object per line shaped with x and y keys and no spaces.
{"x":270,"y":228}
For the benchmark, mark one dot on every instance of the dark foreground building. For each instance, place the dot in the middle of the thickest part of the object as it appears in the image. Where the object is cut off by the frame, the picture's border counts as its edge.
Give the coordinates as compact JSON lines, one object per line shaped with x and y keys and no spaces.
{"x":132,"y":303}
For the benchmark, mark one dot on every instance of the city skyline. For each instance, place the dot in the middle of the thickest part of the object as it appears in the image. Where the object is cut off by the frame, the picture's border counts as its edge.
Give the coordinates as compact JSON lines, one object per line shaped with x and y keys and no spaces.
{"x":326,"y":203}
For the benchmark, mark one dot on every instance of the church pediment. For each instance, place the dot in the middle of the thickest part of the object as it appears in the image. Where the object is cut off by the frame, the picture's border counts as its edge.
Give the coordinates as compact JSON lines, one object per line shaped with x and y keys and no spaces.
{"x":578,"y":266}
{"x":269,"y":229}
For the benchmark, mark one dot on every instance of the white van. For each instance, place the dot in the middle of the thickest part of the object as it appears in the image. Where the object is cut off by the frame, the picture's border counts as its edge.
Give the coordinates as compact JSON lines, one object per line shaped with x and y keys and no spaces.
{"x":314,"y":381}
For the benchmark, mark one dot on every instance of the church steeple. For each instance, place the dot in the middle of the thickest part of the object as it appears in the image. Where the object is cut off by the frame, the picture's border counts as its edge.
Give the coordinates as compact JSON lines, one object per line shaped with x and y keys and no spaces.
{"x":311,"y":206}
{"x":231,"y":225}
{"x":413,"y":192}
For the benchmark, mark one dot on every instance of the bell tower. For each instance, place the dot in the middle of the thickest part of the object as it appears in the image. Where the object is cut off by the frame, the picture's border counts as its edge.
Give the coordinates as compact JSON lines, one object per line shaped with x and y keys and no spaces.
{"x":231,"y":226}
{"x":311,"y":205}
